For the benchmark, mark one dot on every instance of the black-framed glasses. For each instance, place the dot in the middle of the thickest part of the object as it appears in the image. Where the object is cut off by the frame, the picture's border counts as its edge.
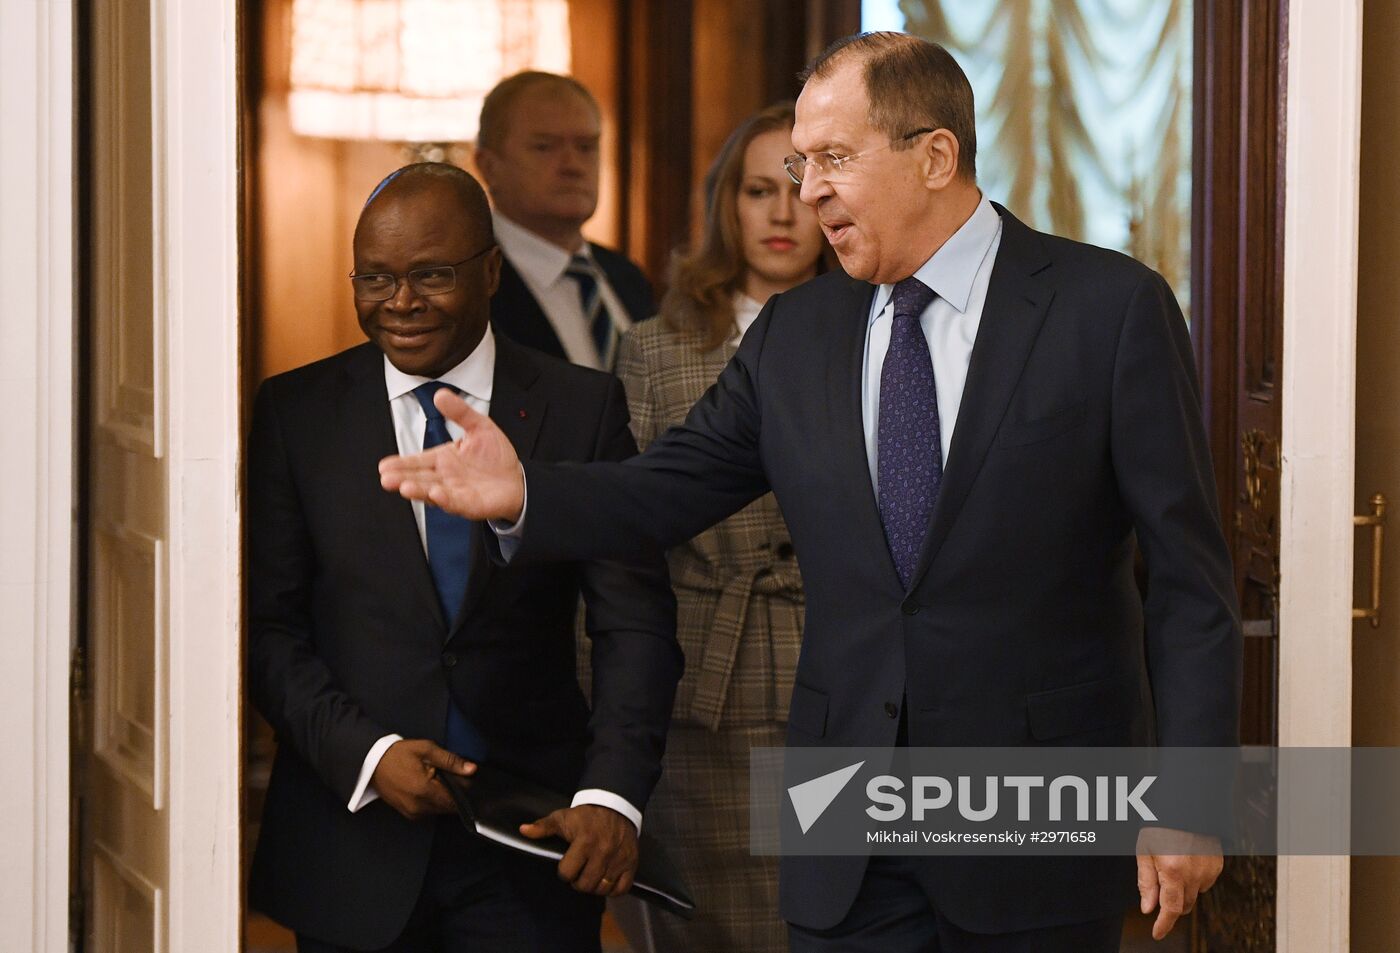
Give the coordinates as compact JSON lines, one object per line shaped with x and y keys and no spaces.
{"x":433,"y":280}
{"x":831,"y":165}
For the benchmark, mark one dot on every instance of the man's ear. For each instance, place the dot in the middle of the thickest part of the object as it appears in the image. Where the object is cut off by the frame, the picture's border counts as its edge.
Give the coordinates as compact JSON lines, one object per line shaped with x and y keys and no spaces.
{"x":941,"y":150}
{"x":493,"y":270}
{"x":485,"y":161}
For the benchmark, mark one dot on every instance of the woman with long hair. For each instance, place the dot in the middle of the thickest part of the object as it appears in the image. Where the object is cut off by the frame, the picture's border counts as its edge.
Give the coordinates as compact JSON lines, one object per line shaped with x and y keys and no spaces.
{"x":739,"y":596}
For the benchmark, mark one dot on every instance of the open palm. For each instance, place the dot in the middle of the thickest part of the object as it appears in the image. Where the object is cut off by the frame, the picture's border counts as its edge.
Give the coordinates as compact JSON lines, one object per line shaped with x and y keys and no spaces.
{"x":478,"y":476}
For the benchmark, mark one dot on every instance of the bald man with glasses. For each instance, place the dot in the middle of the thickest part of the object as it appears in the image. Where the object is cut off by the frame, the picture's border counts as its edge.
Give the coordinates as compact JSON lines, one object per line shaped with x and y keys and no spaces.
{"x":386,"y":647}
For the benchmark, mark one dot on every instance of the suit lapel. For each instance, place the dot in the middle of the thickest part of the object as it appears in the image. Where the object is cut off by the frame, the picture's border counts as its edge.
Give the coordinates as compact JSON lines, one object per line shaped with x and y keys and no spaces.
{"x":845,"y":394}
{"x":1018,"y":297}
{"x":516,"y":314}
{"x":515,"y":407}
{"x":518,"y":411}
{"x":368,"y":426}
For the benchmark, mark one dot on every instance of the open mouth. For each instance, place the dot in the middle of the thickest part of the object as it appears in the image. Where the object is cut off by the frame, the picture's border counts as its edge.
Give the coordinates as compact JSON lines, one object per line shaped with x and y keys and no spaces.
{"x":836,"y":231}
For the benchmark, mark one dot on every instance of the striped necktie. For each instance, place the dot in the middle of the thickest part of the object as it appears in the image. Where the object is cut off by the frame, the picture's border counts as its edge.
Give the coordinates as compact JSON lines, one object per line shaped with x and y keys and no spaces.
{"x":595,"y":313}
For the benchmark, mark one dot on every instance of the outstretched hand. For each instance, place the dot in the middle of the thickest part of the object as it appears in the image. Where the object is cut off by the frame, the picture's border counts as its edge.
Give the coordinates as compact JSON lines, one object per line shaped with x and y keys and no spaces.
{"x":478,"y":476}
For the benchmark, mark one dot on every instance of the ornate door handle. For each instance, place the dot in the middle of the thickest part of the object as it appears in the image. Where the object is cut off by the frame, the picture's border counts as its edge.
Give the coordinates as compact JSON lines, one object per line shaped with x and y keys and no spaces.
{"x":1377,"y":523}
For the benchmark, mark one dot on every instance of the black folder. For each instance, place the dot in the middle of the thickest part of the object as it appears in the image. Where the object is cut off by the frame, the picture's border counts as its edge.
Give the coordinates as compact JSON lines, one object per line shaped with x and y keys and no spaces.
{"x":494,"y":803}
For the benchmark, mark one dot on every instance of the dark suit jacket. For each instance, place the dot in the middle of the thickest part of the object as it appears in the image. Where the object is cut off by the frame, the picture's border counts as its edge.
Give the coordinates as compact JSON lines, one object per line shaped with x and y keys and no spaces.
{"x":348,"y":642}
{"x":1080,"y":429}
{"x":517,"y":315}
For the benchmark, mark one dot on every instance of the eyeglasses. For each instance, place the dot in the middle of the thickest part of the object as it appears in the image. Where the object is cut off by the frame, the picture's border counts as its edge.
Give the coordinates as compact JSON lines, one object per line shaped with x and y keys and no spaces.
{"x":434,"y":280}
{"x":831,"y":165}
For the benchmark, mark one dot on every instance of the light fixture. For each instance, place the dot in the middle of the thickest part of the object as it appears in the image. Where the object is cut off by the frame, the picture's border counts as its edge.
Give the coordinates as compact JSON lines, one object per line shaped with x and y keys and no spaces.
{"x":414,"y":71}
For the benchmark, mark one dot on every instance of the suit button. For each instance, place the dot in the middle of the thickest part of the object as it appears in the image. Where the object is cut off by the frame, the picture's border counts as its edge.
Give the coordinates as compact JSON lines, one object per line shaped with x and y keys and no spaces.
{"x":910,"y":608}
{"x":785,"y":551}
{"x":892,"y":709}
{"x":448,"y":659}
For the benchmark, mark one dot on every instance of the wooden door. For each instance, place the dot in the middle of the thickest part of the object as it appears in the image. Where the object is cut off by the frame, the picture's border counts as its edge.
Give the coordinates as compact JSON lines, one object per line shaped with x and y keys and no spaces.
{"x":1375,"y":899}
{"x":1237,"y":303}
{"x":121,"y":777}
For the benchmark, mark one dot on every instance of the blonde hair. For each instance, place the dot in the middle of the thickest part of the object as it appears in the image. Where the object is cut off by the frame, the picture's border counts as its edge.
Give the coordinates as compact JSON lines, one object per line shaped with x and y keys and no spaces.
{"x":495,"y":108}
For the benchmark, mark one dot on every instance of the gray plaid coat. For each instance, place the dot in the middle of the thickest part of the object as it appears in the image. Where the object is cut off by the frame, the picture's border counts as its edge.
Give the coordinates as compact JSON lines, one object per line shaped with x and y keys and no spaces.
{"x":739,"y":608}
{"x":738,"y":592}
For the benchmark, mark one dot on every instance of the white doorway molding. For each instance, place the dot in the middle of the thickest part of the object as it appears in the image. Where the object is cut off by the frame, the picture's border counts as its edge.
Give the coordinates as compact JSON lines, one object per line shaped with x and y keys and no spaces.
{"x":1319,"y":385}
{"x":36,"y":467}
{"x":195,"y":112}
{"x":194,"y":88}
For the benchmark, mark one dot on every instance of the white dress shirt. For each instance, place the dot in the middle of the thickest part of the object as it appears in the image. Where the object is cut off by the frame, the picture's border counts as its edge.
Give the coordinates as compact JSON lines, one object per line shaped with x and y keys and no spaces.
{"x":958,"y":273}
{"x":473,"y":378}
{"x":745,"y":313}
{"x":542,"y":266}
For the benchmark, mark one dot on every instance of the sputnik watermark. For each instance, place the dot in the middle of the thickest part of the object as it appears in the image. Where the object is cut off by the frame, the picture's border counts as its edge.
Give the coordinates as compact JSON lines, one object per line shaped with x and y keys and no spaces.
{"x":1074,"y":800}
{"x":929,"y":793}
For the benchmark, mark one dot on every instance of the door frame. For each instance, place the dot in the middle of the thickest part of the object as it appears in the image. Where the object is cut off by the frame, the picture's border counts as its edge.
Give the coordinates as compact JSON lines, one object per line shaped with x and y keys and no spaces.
{"x":37,"y":467}
{"x":196,"y":107}
{"x":1322,"y":159}
{"x":195,"y":93}
{"x":196,"y":198}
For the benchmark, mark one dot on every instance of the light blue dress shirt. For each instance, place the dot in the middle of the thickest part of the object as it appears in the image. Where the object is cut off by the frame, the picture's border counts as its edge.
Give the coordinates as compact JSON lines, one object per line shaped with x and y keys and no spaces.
{"x":959,"y":274}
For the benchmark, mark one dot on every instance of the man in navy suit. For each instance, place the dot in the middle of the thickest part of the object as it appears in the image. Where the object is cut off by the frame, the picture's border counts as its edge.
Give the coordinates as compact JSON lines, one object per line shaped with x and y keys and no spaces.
{"x":386,"y":647}
{"x":968,"y":430}
{"x":537,"y":149}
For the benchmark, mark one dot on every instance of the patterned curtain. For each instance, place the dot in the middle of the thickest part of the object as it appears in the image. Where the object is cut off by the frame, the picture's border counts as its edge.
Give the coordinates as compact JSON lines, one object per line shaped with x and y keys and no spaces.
{"x":1083,"y":115}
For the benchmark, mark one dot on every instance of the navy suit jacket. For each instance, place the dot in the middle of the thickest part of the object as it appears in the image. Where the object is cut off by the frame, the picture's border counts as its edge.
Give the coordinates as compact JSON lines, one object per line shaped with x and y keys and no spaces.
{"x":348,"y":642}
{"x":517,"y":315}
{"x":1080,"y":432}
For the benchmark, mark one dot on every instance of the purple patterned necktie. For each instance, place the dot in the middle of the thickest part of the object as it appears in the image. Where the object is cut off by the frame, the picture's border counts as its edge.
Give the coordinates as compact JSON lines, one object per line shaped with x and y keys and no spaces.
{"x":910,"y":454}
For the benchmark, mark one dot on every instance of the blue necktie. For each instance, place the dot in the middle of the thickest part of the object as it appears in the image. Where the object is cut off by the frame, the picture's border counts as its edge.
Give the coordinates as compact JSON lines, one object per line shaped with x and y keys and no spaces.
{"x":910,"y":453}
{"x":599,"y":321}
{"x":450,"y":561}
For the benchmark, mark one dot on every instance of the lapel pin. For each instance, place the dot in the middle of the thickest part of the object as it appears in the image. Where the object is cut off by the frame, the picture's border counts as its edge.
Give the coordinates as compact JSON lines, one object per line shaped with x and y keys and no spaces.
{"x":521,"y":413}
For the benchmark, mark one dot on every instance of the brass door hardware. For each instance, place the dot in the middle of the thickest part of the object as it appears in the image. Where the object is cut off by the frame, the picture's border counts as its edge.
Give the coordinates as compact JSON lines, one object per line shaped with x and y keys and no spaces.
{"x":1261,"y":453}
{"x":1377,"y":523}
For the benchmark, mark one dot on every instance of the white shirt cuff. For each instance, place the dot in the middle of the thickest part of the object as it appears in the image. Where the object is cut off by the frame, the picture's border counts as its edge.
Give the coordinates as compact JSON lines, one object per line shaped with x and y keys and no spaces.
{"x":364,"y":791}
{"x":509,"y":534}
{"x":608,"y":799}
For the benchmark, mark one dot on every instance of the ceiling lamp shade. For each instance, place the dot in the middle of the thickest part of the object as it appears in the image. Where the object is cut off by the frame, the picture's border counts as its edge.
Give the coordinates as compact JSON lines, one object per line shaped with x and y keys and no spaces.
{"x":414,"y":70}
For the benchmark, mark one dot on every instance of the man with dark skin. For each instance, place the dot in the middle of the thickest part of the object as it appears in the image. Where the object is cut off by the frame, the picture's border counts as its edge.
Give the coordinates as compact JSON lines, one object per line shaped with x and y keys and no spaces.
{"x":386,"y":649}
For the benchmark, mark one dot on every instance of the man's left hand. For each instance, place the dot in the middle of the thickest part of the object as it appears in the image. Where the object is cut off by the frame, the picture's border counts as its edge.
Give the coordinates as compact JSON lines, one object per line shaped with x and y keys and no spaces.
{"x":1174,"y":868}
{"x":602,"y":854}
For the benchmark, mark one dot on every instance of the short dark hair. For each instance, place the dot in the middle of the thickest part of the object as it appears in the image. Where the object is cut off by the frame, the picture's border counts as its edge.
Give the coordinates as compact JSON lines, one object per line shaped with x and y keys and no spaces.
{"x":495,"y":108}
{"x":476,"y":210}
{"x":911,"y":83}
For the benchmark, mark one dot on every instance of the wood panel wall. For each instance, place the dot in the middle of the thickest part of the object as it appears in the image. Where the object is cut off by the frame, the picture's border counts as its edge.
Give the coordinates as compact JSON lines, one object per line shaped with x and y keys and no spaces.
{"x":672,"y":78}
{"x":307,"y":195}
